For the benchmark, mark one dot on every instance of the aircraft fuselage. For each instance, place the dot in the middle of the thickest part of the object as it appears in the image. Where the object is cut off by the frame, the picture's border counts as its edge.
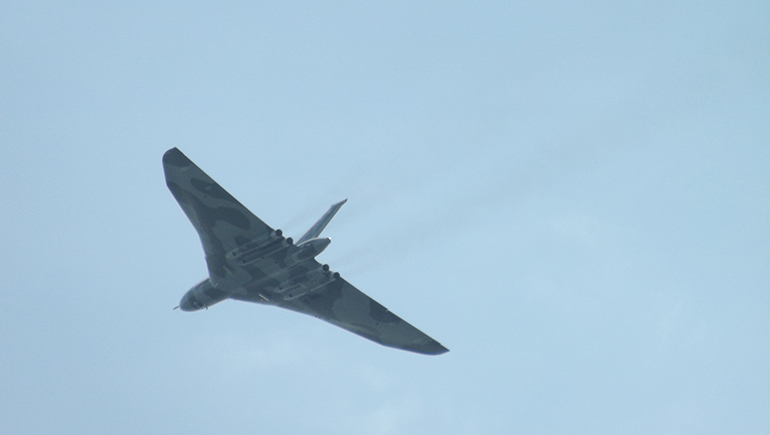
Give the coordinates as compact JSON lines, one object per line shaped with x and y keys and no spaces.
{"x":297,"y":281}
{"x":249,"y":261}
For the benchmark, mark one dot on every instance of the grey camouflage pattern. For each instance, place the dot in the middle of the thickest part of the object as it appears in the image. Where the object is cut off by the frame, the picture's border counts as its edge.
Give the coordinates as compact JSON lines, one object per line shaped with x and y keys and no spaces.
{"x":250,"y":261}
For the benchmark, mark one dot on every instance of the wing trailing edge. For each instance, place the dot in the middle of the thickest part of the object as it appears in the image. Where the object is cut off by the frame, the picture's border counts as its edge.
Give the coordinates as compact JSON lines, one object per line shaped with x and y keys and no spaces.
{"x":222,"y":222}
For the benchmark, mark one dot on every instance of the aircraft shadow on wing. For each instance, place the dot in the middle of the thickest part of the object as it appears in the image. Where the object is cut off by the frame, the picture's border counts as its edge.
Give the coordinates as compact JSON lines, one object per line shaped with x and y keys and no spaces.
{"x":249,"y":261}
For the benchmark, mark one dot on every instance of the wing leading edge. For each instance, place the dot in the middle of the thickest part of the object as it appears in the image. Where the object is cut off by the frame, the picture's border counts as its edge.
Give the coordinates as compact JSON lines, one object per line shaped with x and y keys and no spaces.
{"x":343,"y":305}
{"x":349,"y":308}
{"x":221,"y":221}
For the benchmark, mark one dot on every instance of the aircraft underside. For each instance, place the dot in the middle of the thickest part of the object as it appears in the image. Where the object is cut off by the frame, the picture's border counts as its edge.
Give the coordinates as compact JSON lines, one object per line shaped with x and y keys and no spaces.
{"x":249,"y":261}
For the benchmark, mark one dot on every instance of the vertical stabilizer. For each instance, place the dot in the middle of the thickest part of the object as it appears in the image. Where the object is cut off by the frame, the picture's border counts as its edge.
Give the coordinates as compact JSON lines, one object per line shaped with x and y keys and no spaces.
{"x":319,"y":226}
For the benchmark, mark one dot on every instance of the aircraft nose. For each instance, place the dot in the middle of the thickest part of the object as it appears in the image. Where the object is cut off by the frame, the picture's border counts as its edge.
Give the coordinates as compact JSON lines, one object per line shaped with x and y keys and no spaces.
{"x":186,"y":305}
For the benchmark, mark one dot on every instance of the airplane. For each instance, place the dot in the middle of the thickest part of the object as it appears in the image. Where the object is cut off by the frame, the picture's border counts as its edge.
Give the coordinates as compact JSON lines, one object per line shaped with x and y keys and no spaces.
{"x":249,"y":261}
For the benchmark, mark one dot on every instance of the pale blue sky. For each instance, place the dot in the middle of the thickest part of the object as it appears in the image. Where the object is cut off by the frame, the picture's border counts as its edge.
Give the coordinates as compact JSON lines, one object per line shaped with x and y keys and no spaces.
{"x":571,"y":196}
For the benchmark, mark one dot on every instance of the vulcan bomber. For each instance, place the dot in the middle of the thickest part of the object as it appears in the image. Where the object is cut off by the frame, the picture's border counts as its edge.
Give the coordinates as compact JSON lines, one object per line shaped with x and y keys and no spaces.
{"x":249,"y":261}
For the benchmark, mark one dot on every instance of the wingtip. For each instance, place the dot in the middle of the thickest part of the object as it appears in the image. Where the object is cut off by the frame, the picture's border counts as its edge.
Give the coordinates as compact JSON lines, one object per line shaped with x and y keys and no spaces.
{"x":174,"y":157}
{"x":171,"y":151}
{"x":440,"y":351}
{"x":431,"y":347}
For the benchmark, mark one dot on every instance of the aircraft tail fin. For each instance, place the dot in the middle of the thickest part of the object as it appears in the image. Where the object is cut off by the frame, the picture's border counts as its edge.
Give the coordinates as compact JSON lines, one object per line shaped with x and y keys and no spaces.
{"x":319,"y":226}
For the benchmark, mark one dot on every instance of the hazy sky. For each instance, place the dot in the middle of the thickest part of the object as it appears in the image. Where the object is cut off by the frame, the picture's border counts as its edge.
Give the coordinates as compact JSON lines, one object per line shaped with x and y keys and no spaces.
{"x":571,"y":196}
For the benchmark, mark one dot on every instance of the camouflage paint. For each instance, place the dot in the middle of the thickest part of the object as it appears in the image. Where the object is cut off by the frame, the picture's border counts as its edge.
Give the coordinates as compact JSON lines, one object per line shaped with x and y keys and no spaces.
{"x":249,"y":261}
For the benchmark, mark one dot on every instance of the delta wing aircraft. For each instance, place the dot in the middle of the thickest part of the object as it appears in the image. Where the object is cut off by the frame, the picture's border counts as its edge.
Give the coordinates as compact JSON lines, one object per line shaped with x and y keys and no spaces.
{"x":249,"y":261}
